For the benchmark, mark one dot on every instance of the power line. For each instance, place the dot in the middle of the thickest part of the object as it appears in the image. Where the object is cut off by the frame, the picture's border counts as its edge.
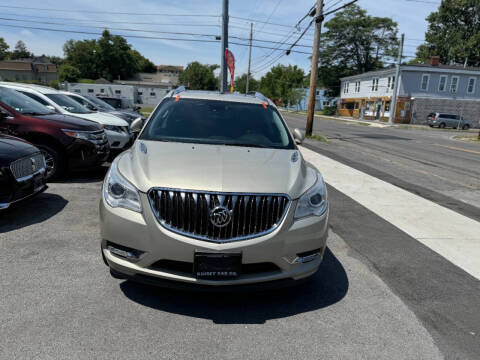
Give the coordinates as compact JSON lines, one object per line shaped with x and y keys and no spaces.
{"x":136,"y":36}
{"x":106,"y":12}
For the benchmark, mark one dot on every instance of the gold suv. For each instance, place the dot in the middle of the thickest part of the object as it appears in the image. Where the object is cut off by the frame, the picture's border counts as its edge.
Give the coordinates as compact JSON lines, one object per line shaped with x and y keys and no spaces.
{"x":213,"y":192}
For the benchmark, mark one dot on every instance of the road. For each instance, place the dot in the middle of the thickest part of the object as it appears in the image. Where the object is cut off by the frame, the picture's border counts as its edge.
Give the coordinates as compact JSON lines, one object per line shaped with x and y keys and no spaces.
{"x":427,"y":162}
{"x":379,"y":294}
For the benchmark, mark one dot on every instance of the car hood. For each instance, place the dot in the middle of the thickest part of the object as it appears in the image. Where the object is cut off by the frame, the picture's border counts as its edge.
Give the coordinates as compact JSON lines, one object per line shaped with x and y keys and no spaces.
{"x":124,"y":115}
{"x":12,"y":148}
{"x":70,"y":122}
{"x":216,"y":168}
{"x":103,"y":118}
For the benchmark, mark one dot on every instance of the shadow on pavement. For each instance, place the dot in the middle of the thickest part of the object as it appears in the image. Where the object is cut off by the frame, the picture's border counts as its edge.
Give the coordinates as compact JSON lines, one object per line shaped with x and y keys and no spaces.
{"x":86,"y":176}
{"x":327,"y":287}
{"x":31,"y":211}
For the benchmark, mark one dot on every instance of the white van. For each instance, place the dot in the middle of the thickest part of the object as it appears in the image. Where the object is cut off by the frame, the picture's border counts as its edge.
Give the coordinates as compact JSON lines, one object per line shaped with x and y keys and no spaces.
{"x":117,"y":130}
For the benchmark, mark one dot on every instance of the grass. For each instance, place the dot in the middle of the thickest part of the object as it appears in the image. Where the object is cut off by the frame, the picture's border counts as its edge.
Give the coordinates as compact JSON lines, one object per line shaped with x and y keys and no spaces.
{"x":318,"y":137}
{"x":469,"y":138}
{"x":146,"y":111}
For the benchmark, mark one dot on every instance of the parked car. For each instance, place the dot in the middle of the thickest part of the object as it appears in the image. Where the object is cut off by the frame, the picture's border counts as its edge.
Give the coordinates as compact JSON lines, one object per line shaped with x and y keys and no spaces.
{"x":237,"y":203}
{"x":118,"y":104}
{"x":22,"y":170}
{"x":66,"y":142}
{"x":116,"y":129}
{"x":94,"y":104}
{"x":443,"y":120}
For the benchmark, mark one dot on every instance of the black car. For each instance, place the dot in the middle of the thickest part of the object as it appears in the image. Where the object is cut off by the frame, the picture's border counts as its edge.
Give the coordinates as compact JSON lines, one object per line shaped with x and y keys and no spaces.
{"x":22,"y":170}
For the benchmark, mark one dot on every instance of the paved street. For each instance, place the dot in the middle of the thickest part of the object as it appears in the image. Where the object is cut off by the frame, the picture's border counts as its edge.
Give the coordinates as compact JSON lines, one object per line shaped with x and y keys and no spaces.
{"x":379,"y":293}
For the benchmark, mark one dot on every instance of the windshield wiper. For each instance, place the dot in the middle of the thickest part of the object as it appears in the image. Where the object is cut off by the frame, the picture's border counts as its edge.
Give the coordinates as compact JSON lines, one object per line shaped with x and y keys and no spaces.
{"x":246,"y":145}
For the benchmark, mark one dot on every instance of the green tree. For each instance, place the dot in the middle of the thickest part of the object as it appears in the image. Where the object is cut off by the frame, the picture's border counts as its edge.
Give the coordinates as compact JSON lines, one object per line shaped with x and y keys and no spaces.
{"x":241,"y":84}
{"x":115,"y":59}
{"x":82,"y":55}
{"x":453,"y":33}
{"x":355,"y":42}
{"x":199,"y":76}
{"x":68,"y":73}
{"x":281,"y":84}
{"x":20,"y":51}
{"x":143,"y":64}
{"x":3,"y":49}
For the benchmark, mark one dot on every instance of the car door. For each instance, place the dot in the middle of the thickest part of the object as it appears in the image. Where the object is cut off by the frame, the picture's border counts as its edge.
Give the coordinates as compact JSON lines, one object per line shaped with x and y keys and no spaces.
{"x":8,"y":125}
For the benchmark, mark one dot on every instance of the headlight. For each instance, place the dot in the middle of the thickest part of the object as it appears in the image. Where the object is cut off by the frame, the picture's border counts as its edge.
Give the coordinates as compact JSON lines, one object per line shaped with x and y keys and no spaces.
{"x":83,"y":135}
{"x":113,"y":128}
{"x":314,"y":201}
{"x":119,"y":192}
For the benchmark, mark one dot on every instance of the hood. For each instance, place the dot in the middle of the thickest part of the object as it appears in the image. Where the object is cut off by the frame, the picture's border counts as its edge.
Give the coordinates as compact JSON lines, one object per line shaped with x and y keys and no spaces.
{"x":103,"y":119}
{"x":12,"y":148}
{"x":70,"y":122}
{"x":216,"y":168}
{"x":124,"y":115}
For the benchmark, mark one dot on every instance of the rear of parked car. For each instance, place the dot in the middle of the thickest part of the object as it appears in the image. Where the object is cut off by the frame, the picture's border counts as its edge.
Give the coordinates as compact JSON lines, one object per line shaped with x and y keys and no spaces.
{"x":66,"y":142}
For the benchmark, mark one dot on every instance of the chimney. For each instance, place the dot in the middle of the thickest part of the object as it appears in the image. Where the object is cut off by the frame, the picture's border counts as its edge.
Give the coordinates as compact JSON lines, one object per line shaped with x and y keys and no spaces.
{"x":435,"y":61}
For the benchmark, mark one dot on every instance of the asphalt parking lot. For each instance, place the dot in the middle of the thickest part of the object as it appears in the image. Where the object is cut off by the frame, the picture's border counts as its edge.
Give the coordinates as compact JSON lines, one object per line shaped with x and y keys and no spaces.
{"x":59,"y":300}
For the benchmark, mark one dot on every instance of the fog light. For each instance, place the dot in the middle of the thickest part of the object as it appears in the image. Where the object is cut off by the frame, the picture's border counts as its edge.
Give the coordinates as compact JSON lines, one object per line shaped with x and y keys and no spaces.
{"x":305,"y":259}
{"x":124,"y":252}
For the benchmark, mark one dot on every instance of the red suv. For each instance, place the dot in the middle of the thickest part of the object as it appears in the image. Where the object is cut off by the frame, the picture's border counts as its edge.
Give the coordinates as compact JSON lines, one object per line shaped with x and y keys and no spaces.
{"x":66,"y":142}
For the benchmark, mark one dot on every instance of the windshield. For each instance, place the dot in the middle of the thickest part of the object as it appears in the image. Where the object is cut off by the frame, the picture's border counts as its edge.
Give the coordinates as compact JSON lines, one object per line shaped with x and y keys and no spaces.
{"x":68,"y":104}
{"x":22,"y":103}
{"x":100,"y":103}
{"x":218,"y":122}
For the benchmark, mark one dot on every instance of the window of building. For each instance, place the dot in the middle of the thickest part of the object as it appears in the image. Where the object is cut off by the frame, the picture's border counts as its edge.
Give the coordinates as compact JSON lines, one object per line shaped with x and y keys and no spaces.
{"x":425,"y":81}
{"x":375,"y":84}
{"x":318,"y":92}
{"x":140,"y":93}
{"x":345,"y":88}
{"x":442,"y":84}
{"x":90,"y":90}
{"x":350,"y":105}
{"x":118,"y":91}
{"x":152,"y":94}
{"x":357,"y":86}
{"x":325,"y":103}
{"x":389,"y":82}
{"x":393,"y":83}
{"x":77,"y":91}
{"x":471,"y":85}
{"x":454,"y":84}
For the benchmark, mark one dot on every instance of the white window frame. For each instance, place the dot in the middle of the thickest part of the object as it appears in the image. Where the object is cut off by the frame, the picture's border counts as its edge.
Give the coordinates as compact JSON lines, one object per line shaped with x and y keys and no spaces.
{"x":473,"y":86}
{"x":428,"y":82}
{"x":444,"y":85}
{"x":456,"y":85}
{"x":393,"y":82}
{"x":375,"y":84}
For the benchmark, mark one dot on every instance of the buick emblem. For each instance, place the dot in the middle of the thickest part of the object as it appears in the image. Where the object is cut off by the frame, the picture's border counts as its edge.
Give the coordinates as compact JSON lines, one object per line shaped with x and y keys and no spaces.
{"x":220,"y":216}
{"x":34,"y":164}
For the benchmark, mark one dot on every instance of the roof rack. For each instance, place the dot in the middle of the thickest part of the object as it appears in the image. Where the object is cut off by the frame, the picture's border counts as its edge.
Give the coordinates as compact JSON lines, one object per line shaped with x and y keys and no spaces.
{"x":178,"y":90}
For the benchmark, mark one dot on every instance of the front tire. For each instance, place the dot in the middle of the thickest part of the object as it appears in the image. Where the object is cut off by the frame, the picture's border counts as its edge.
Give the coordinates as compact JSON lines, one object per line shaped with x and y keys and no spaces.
{"x":55,"y":162}
{"x":442,"y":126}
{"x":465,"y":127}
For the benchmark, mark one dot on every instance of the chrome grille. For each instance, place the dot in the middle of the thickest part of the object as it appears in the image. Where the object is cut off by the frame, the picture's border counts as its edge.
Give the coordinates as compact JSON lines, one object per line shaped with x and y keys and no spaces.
{"x":27,"y":166}
{"x":188,"y":213}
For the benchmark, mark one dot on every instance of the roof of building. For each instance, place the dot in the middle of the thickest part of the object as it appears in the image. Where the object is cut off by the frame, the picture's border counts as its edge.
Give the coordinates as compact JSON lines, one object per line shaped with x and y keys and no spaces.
{"x":170,"y":67}
{"x":15,"y":65}
{"x":39,"y":88}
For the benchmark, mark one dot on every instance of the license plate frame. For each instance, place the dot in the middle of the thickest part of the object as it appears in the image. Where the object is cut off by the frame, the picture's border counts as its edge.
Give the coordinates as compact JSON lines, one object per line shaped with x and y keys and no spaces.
{"x":217,"y":266}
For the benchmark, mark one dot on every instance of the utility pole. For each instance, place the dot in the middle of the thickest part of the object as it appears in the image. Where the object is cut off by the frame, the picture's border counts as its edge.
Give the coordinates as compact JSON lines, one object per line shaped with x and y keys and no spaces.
{"x":249,"y":58}
{"x":223,"y":70}
{"x":393,"y":105}
{"x":314,"y":70}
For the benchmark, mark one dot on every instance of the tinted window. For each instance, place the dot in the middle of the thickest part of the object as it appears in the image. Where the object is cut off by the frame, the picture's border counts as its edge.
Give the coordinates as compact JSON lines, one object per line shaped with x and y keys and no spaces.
{"x":21,"y":103}
{"x":218,"y":122}
{"x":83,"y":102}
{"x":68,"y":104}
{"x":35,"y":97}
{"x":100,"y":103}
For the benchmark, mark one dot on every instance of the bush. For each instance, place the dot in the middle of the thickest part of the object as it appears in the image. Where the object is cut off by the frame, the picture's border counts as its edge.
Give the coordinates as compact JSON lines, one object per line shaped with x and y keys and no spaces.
{"x":328,"y":110}
{"x":54,"y":84}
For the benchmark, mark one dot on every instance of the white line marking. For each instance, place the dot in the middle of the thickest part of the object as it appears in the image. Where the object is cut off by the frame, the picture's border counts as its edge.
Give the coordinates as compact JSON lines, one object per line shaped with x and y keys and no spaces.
{"x":451,"y":235}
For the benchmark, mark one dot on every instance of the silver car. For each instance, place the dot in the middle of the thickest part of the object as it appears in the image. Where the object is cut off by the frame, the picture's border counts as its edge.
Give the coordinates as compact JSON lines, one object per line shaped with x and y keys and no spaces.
{"x":214,"y":192}
{"x":443,"y":120}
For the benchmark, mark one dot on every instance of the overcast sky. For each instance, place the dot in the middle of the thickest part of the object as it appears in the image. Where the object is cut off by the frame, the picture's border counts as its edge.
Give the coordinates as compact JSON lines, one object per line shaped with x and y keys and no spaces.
{"x":410,"y":17}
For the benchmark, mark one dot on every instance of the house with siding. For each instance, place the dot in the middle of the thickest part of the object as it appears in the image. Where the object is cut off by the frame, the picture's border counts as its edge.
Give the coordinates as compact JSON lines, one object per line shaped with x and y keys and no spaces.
{"x":321,"y":100}
{"x":28,"y":70}
{"x":423,"y":89}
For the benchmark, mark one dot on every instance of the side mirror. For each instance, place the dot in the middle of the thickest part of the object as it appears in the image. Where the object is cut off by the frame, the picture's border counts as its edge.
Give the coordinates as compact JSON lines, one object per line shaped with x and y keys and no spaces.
{"x":136,"y":125}
{"x":298,"y":135}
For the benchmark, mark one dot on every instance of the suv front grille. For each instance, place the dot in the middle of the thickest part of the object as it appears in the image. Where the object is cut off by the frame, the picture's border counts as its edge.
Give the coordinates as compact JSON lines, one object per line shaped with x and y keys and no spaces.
{"x":189,"y":213}
{"x":27,"y":166}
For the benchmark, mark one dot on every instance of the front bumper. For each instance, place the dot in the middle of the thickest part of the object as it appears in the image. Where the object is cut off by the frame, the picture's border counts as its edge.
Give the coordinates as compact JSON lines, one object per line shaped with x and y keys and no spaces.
{"x":118,"y":140}
{"x":142,"y":232}
{"x":12,"y":192}
{"x":84,"y":154}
